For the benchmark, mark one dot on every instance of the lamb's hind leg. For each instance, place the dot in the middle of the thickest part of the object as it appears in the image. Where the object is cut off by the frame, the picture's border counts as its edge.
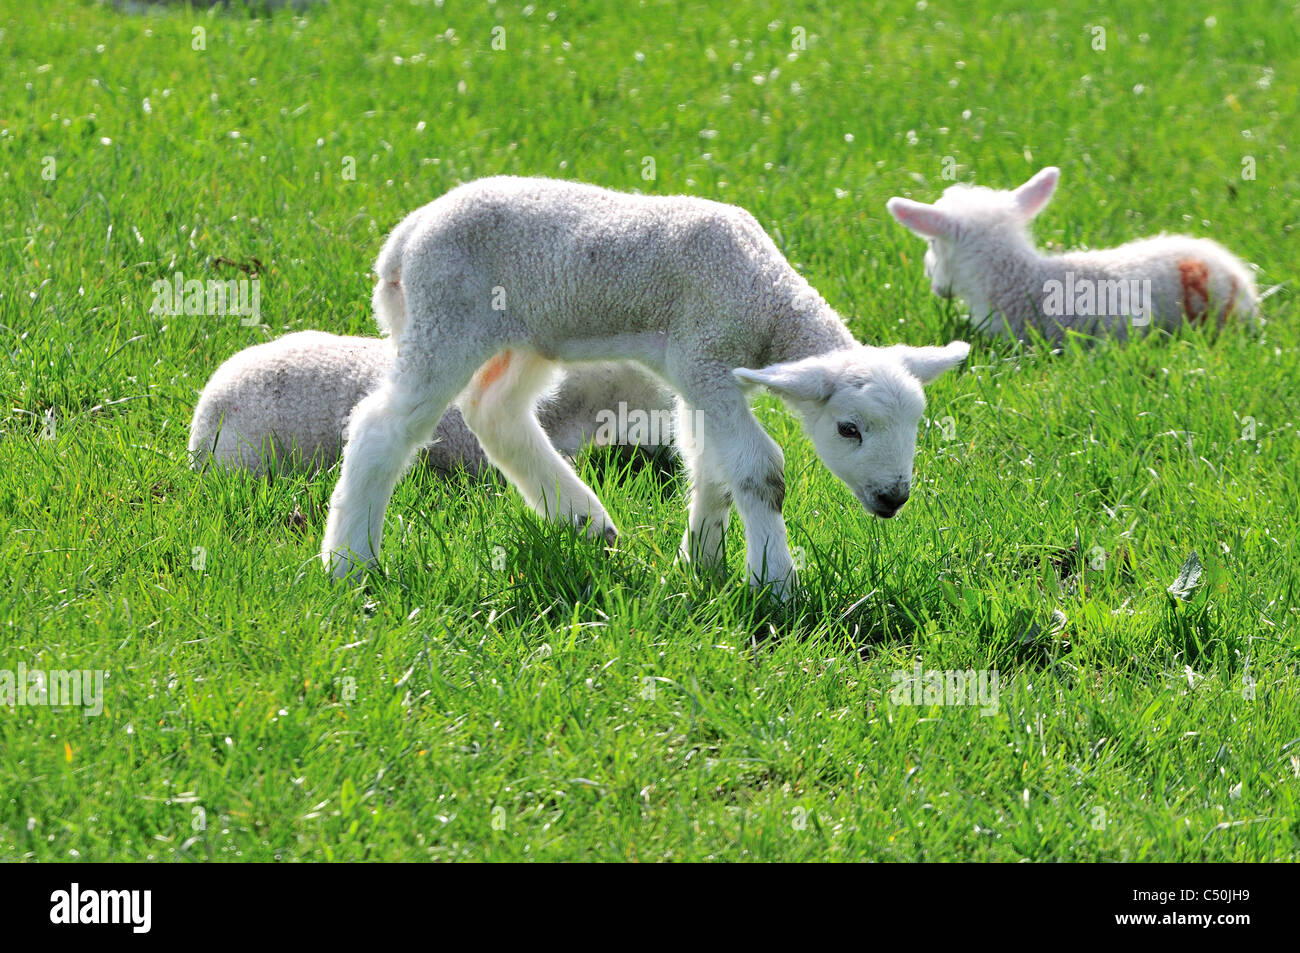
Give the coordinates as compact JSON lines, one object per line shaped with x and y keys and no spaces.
{"x":498,"y":405}
{"x":384,"y":433}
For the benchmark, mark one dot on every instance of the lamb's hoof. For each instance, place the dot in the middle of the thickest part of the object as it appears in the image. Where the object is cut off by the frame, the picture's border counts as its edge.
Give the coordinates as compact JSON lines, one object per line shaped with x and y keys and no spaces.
{"x":343,"y":565}
{"x":713,"y":568}
{"x":782,"y":589}
{"x":596,"y":529}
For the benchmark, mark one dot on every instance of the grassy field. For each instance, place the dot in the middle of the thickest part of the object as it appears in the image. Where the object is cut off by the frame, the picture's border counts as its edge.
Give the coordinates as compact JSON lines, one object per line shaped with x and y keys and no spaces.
{"x":549,"y":700}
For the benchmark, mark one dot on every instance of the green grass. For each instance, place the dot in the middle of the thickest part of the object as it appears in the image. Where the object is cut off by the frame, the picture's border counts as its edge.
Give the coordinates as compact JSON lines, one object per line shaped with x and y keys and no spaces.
{"x":584,"y":704}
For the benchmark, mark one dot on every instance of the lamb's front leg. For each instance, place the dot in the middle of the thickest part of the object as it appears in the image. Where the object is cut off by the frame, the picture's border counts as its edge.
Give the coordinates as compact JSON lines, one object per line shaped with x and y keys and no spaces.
{"x":710,"y":499}
{"x":753,"y":466}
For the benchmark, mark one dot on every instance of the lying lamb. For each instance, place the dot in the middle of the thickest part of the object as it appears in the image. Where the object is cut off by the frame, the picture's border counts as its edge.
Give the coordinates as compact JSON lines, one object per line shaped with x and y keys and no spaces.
{"x":288,"y":400}
{"x":490,"y":288}
{"x":981,"y":250}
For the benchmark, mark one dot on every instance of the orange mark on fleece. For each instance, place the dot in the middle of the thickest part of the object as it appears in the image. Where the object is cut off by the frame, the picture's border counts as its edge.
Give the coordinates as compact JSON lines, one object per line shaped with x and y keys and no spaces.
{"x":1195,"y":277}
{"x":489,"y":374}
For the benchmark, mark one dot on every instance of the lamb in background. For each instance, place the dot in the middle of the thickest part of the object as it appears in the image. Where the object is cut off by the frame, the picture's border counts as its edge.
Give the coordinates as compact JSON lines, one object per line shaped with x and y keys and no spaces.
{"x":981,"y":250}
{"x":490,"y":288}
{"x":289,"y":400}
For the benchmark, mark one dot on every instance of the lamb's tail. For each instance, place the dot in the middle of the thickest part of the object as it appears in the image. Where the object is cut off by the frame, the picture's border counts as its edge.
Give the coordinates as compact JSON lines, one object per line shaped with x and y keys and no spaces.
{"x":1229,"y":295}
{"x":1217,"y":285}
{"x":389,"y":299}
{"x":1244,"y":297}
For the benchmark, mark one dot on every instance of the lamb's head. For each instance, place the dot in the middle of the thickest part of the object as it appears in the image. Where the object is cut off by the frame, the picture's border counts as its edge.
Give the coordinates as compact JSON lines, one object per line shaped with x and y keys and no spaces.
{"x":861,"y":407}
{"x":970,"y":226}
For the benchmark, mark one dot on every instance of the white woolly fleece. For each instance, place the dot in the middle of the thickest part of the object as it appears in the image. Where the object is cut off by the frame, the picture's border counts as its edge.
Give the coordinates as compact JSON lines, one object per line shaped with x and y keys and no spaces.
{"x":490,"y":288}
{"x":289,"y":400}
{"x":981,"y":250}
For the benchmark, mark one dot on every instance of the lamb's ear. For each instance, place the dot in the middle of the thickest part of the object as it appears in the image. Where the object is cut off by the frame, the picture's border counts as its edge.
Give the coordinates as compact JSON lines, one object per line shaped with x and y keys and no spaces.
{"x":927,"y":363}
{"x":1034,"y":194}
{"x":926,"y":220}
{"x":807,"y":380}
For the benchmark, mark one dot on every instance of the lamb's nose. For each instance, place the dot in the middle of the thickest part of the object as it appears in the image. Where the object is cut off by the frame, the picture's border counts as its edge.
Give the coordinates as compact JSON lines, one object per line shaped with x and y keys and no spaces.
{"x":892,"y":500}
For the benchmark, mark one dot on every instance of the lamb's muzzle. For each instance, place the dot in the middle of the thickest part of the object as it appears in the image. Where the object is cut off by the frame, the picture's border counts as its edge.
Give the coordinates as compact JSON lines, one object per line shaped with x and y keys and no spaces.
{"x":887,"y":503}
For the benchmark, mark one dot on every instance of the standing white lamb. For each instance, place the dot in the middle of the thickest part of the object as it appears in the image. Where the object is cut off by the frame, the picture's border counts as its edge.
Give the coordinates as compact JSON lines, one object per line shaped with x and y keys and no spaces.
{"x":489,"y":288}
{"x":981,"y":250}
{"x":288,"y":401}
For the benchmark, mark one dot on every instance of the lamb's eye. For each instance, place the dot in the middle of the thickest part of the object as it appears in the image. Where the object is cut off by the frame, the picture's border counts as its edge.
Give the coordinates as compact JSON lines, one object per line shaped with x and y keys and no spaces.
{"x":850,"y":431}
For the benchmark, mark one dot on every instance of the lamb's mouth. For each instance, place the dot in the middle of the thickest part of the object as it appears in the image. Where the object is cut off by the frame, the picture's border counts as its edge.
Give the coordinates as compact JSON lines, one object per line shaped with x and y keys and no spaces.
{"x":875,"y":509}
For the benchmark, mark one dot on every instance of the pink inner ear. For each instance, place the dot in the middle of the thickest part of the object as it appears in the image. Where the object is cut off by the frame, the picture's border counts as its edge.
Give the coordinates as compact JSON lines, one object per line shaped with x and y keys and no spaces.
{"x":1033,"y":195}
{"x":923,"y":219}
